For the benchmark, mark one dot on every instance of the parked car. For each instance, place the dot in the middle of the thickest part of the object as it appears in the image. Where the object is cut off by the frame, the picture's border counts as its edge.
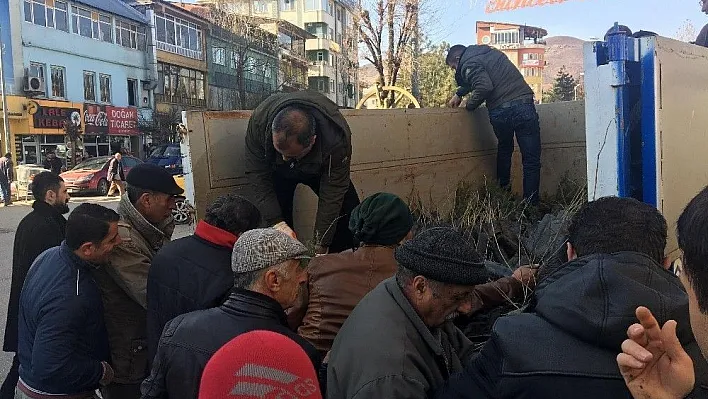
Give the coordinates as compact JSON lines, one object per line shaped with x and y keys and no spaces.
{"x":168,"y":156}
{"x":183,"y":212}
{"x":90,"y":175}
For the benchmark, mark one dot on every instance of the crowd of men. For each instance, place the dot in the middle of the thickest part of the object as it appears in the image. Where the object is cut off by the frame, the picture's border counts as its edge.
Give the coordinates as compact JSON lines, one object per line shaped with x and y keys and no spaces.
{"x":106,"y":302}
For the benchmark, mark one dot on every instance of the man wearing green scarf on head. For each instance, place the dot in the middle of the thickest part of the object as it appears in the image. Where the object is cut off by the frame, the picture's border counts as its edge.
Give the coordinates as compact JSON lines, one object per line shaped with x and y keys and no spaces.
{"x":337,"y":282}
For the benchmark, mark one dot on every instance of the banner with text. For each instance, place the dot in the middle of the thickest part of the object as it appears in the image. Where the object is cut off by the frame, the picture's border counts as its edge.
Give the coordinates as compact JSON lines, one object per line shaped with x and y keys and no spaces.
{"x":107,"y":119}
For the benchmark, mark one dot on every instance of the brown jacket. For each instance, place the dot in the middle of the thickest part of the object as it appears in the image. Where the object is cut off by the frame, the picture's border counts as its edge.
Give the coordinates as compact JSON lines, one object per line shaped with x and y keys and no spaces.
{"x":337,"y":283}
{"x":123,"y":286}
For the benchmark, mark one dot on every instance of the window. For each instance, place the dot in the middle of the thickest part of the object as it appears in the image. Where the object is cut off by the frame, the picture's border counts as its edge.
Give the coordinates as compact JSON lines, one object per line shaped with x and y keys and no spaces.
{"x":58,"y":84}
{"x":505,"y":37}
{"x":105,"y":87}
{"x":218,"y":55}
{"x":235,"y":59}
{"x":330,"y":7}
{"x":91,"y":24}
{"x":37,"y":70}
{"x":321,"y":85}
{"x":285,"y":41}
{"x":180,"y":82}
{"x":320,"y":56}
{"x":260,"y":6}
{"x":312,"y":5}
{"x":287,"y":5}
{"x":331,"y":86}
{"x":132,"y":92}
{"x":319,"y":29}
{"x":178,"y":36}
{"x":131,"y":35}
{"x":89,"y":86}
{"x":49,"y":13}
{"x":331,"y":34}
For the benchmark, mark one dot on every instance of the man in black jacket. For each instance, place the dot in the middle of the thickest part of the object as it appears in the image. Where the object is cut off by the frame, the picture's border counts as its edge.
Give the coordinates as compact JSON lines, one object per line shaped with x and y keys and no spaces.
{"x":268,"y":272}
{"x":567,"y":346}
{"x":116,"y":176}
{"x":41,"y":229}
{"x":487,"y":75}
{"x":194,"y":273}
{"x":302,"y":138}
{"x":7,"y":175}
{"x":52,"y":162}
{"x":63,"y":345}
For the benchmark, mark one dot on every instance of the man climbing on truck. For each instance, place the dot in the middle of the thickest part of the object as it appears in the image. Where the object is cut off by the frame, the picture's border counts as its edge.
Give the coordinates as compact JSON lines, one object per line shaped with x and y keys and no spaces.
{"x":487,"y":75}
{"x":302,"y":138}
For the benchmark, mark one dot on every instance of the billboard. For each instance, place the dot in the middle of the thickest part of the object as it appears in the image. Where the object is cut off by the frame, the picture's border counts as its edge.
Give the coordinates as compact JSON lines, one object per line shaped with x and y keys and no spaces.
{"x":107,"y":119}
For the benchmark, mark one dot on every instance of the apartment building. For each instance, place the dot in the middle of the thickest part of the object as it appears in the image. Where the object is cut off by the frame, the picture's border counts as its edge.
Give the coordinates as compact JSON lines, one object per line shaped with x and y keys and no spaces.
{"x":524,"y":45}
{"x":332,"y":54}
{"x":80,"y":63}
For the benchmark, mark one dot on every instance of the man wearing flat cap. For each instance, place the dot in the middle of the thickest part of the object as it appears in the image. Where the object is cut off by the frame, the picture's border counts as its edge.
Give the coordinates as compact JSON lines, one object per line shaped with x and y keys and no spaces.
{"x":145,"y":225}
{"x":399,"y":342}
{"x":268,"y":267}
{"x":337,"y":282}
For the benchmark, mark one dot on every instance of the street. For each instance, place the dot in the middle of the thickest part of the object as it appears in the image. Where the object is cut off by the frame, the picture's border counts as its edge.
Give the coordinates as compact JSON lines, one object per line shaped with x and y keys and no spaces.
{"x":9,"y":219}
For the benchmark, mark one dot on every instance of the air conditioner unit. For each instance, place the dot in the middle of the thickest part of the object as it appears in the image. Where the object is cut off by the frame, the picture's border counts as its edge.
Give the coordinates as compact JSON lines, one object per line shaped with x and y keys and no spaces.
{"x":34,"y":84}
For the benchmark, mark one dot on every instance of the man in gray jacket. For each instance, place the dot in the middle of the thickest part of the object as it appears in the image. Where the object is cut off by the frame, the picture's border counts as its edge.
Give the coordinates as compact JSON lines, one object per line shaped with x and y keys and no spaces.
{"x":487,"y":75}
{"x":399,"y":342}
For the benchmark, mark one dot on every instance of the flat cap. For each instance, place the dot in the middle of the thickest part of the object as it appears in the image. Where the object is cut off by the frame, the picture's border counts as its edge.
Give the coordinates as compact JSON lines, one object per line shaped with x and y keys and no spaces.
{"x":152,"y":177}
{"x":260,"y":249}
{"x":445,"y":255}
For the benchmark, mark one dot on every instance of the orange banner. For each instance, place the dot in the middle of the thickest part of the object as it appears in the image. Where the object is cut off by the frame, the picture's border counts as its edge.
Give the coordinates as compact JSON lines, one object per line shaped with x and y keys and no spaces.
{"x":508,"y":5}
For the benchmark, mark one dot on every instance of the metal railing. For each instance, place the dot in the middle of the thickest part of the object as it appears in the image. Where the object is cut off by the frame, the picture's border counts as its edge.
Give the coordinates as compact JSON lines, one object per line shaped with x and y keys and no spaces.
{"x":174,"y":49}
{"x":192,"y":102}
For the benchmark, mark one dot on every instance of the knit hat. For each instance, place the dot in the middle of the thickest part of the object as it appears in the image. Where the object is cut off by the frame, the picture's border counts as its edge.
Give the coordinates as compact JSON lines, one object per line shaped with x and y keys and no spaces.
{"x":260,"y":364}
{"x":260,"y":249}
{"x":382,"y":219}
{"x":445,"y":255}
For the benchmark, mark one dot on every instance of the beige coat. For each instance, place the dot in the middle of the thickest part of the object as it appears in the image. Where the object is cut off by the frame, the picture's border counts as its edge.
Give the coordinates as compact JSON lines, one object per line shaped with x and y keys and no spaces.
{"x":124,"y":290}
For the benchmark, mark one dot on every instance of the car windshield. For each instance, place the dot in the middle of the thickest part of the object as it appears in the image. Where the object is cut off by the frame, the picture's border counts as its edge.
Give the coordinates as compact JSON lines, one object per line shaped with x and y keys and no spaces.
{"x":172,"y":152}
{"x":157,"y":152}
{"x":91,"y":164}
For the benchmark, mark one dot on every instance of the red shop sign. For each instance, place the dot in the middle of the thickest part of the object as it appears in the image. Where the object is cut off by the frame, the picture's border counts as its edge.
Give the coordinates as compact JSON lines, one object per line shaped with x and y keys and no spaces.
{"x":122,"y":120}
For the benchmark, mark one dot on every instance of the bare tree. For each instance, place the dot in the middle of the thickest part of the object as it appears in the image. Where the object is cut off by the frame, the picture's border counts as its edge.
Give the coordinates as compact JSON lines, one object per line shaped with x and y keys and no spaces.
{"x":234,"y":26}
{"x":347,"y":64}
{"x":161,"y":128}
{"x":687,"y":32}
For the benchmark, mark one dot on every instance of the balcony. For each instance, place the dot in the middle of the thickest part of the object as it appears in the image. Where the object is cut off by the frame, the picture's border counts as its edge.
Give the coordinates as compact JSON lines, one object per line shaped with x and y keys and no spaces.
{"x":171,"y":48}
{"x":189,"y":102}
{"x":320,"y":68}
{"x":322,"y":44}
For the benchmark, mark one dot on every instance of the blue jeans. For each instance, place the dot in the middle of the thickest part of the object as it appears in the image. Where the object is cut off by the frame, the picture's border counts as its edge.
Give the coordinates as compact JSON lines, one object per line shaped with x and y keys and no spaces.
{"x":522,"y":120}
{"x":5,"y":193}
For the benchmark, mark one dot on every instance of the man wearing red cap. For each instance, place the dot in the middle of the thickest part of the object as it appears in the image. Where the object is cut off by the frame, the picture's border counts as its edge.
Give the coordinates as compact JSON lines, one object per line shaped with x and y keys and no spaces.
{"x":261,"y":364}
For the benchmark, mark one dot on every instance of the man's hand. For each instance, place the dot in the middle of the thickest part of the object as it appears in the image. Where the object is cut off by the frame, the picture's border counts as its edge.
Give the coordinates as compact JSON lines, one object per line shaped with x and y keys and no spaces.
{"x":282,"y":226}
{"x":455,"y":101}
{"x":653,"y":363}
{"x":526,"y":274}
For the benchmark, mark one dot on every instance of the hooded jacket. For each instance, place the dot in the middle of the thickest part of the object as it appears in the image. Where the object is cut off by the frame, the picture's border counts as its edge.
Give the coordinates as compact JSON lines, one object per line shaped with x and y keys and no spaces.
{"x":490,"y":76}
{"x":190,"y":340}
{"x":123,"y":284}
{"x":329,"y":160}
{"x":62,"y":335}
{"x":567,"y":348}
{"x":41,"y":229}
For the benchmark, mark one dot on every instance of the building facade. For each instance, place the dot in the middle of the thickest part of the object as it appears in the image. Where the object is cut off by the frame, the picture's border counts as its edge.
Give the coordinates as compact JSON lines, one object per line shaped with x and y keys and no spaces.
{"x":332,"y":54}
{"x":74,"y":63}
{"x":524,"y":45}
{"x":177,"y":55}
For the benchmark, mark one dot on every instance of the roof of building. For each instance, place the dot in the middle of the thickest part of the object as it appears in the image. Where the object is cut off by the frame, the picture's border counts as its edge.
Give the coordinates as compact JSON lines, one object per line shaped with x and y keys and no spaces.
{"x":116,"y":8}
{"x":531,"y":30}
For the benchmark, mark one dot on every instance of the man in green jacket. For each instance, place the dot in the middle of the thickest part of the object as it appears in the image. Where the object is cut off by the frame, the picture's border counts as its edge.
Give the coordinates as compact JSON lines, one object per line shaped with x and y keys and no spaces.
{"x":302,"y":138}
{"x":400,"y":342}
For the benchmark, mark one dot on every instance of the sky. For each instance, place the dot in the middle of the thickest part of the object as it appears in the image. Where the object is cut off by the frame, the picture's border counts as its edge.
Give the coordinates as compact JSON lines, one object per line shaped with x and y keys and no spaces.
{"x":455,"y":22}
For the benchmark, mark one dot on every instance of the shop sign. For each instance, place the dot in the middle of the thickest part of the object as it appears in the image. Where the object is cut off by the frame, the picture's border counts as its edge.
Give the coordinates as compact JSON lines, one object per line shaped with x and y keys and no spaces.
{"x":509,"y":5}
{"x":45,"y":117}
{"x":106,"y":119}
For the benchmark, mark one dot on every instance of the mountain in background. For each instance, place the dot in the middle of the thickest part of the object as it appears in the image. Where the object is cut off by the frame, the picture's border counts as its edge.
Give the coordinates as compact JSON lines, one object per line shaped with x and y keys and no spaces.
{"x":562,"y":50}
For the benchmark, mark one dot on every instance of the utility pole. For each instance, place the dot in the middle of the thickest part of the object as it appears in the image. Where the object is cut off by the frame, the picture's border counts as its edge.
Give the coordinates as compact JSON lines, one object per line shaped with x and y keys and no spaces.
{"x":5,"y":120}
{"x":415,"y":73}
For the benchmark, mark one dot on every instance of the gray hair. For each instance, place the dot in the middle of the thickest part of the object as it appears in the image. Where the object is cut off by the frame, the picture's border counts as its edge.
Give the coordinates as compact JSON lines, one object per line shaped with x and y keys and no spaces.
{"x":251,"y":280}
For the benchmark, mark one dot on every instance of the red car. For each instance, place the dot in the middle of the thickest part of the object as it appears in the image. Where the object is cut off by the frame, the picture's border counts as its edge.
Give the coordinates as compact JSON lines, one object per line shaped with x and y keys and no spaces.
{"x":90,"y":175}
